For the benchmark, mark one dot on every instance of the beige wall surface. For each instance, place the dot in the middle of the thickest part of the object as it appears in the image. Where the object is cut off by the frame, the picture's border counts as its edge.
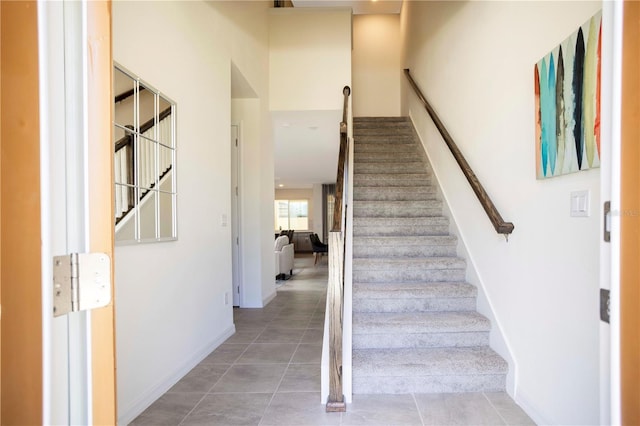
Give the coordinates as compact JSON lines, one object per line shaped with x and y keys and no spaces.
{"x":474,"y":62}
{"x":377,"y":68}
{"x":309,"y":58}
{"x":170,"y":296}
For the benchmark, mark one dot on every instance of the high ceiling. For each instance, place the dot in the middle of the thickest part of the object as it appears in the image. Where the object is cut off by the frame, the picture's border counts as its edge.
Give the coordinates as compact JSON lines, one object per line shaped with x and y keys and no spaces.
{"x":306,"y":142}
{"x":359,"y":7}
{"x":305,"y":147}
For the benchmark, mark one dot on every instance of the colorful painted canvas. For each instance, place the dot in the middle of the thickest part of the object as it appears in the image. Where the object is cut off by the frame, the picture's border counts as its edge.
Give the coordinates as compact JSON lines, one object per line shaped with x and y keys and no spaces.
{"x":567,"y":96}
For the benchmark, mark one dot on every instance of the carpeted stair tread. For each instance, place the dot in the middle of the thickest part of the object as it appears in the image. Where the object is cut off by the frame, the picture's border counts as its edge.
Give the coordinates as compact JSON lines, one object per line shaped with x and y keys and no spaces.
{"x":415,"y":324}
{"x":367,"y":119}
{"x":423,"y":263}
{"x":402,"y":130}
{"x":428,"y":362}
{"x":394,"y":226}
{"x":408,"y":246}
{"x":389,"y":167}
{"x":391,"y":179}
{"x":396,"y":193}
{"x":396,"y":290}
{"x":435,"y":240}
{"x":419,"y":322}
{"x":389,"y":208}
{"x":386,"y":148}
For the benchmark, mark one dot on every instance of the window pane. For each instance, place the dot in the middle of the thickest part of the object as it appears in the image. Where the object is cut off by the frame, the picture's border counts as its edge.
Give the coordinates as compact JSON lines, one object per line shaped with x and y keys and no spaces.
{"x":298,"y":215}
{"x":282,"y":214}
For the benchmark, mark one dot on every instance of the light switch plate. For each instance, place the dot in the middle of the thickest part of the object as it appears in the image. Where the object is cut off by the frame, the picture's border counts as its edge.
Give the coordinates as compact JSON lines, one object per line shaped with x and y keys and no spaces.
{"x":580,"y":203}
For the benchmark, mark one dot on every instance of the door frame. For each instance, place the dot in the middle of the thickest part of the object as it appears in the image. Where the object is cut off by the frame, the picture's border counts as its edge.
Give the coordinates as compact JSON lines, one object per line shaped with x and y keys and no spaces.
{"x":236,"y":219}
{"x":27,"y":335}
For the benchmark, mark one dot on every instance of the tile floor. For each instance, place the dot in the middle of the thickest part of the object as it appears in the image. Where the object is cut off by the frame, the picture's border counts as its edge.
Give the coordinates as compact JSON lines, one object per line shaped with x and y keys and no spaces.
{"x":268,"y":373}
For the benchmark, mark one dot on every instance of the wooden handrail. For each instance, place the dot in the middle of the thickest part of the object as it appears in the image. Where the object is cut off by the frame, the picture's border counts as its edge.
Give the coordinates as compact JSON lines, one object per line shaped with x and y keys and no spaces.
{"x":499,"y":224}
{"x":335,"y":290}
{"x":342,"y":156}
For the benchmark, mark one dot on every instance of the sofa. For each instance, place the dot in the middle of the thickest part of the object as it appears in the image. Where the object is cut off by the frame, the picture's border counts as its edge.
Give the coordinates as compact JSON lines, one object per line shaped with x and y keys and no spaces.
{"x":284,"y":254}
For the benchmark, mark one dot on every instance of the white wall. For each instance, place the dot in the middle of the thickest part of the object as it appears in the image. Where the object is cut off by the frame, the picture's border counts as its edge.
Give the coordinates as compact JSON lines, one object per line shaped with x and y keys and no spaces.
{"x":309,"y":58}
{"x":377,"y":67}
{"x":246,"y":113}
{"x":474,"y":62}
{"x":170,"y":309}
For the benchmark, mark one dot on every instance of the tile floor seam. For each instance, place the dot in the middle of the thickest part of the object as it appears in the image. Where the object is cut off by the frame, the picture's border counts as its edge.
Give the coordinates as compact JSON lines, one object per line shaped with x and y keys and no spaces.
{"x":415,"y":401}
{"x":495,"y":409}
{"x":192,"y":409}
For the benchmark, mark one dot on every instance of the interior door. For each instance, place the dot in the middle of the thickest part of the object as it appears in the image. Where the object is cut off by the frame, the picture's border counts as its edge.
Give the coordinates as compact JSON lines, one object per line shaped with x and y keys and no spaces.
{"x":56,"y":199}
{"x":235,"y":212}
{"x":630,"y":213}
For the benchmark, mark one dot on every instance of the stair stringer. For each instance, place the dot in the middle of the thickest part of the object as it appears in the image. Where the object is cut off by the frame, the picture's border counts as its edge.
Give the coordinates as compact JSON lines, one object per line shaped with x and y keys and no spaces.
{"x":497,"y":339}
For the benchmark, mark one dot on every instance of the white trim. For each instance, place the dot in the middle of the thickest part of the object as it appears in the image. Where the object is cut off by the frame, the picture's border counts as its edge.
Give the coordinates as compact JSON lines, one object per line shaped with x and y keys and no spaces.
{"x":616,"y":112}
{"x":47,"y":47}
{"x":127,"y":413}
{"x":532,"y":410}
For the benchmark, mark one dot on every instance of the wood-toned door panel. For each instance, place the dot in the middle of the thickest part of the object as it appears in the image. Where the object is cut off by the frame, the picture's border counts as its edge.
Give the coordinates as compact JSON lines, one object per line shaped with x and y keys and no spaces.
{"x":630,"y":217}
{"x":21,"y":328}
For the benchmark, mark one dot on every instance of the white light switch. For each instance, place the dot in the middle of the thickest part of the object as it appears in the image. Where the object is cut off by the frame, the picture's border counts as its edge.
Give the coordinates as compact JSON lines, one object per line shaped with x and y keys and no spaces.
{"x":580,"y":204}
{"x":223,"y":220}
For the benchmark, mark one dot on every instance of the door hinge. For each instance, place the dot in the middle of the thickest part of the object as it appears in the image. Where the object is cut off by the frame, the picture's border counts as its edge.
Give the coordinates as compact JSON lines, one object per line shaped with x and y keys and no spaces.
{"x":236,"y":141}
{"x":236,"y":191}
{"x":237,"y":241}
{"x":607,"y":221}
{"x":605,"y":311}
{"x":81,"y":281}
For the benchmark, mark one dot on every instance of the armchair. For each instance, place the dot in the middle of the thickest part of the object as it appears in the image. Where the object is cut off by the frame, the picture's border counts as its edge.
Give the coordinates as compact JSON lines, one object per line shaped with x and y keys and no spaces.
{"x":284,"y":254}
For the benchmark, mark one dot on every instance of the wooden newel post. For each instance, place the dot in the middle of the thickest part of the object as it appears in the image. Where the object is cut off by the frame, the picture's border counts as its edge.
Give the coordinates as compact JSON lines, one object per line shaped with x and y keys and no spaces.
{"x":335,"y":401}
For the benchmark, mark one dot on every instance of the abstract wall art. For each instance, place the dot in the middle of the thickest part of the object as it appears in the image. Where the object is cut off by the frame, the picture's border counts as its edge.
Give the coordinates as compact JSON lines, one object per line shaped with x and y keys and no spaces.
{"x":567,"y":103}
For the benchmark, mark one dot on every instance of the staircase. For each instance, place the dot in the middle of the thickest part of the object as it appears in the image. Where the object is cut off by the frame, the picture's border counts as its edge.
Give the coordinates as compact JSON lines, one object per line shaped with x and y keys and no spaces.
{"x":415,"y":328}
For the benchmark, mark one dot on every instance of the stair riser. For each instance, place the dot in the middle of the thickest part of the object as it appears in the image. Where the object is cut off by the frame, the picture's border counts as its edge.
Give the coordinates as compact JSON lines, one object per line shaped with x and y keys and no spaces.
{"x":363,"y":180}
{"x":384,"y":139}
{"x":386,"y":167}
{"x":366,"y":119}
{"x":383,"y":131}
{"x":362,"y":158}
{"x":381,"y":125}
{"x":382,"y":231}
{"x":420,"y":340}
{"x":412,"y":209}
{"x":376,"y":195}
{"x":409,"y":276}
{"x":406,"y":251}
{"x":395,"y":194}
{"x":429,"y":384}
{"x":437,"y":304}
{"x":386,"y":148}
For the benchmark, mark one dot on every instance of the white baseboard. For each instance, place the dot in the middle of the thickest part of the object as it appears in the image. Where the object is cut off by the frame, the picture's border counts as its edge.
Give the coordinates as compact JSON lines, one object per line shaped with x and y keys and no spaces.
{"x":269,"y":298}
{"x":128,"y":413}
{"x":532,"y":411}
